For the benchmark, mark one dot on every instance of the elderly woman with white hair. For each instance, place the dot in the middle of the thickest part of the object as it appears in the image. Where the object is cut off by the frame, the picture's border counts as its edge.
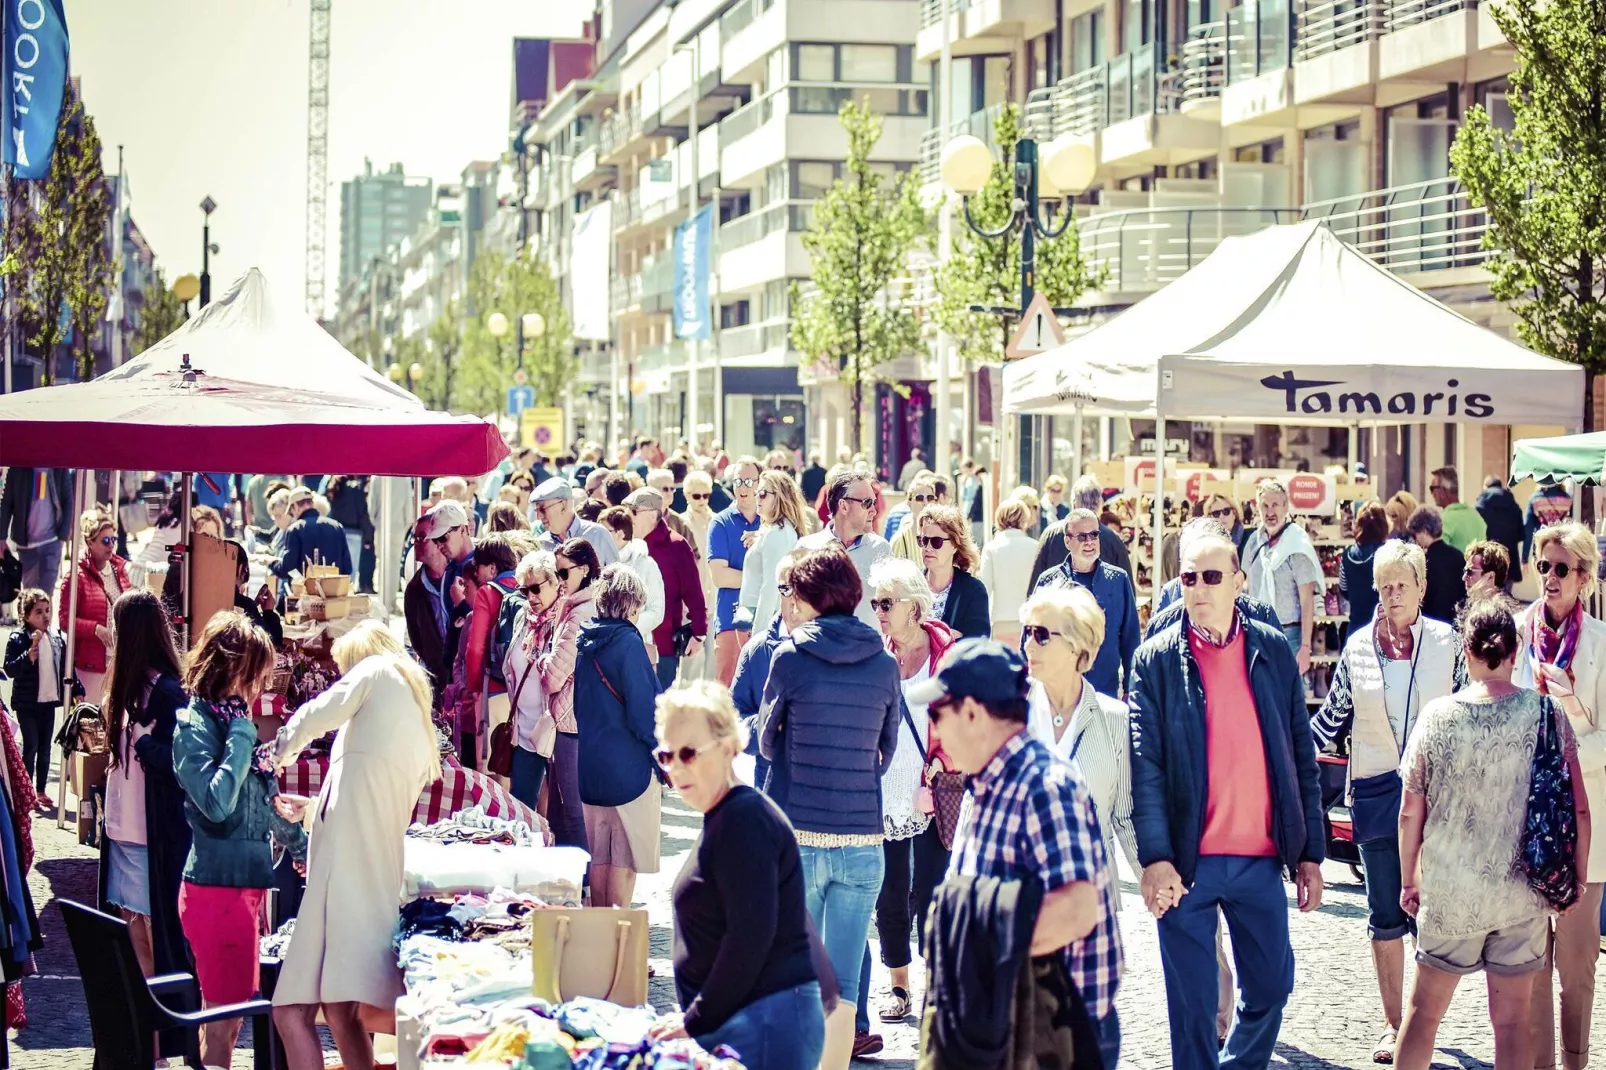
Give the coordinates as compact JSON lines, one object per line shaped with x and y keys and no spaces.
{"x":915,"y":848}
{"x":1562,"y":654}
{"x":1063,"y":629}
{"x":1389,"y":670}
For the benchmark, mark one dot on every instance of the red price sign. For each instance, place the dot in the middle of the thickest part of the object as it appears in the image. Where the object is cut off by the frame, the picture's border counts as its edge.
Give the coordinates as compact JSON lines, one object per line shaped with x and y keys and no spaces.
{"x":1306,"y":492}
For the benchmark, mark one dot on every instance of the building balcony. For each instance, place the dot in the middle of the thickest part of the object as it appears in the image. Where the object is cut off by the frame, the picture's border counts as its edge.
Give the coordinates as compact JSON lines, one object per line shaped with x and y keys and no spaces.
{"x":1204,"y":70}
{"x":1130,"y":110}
{"x":1336,"y":51}
{"x":1143,"y":249}
{"x":757,"y":345}
{"x":764,"y":246}
{"x":1259,"y":88}
{"x":748,"y":32}
{"x":1426,"y":41}
{"x":980,"y":26}
{"x":626,"y":209}
{"x":624,"y":294}
{"x":587,"y":173}
{"x":618,"y":135}
{"x":800,"y":119}
{"x":1411,"y":230}
{"x":753,"y":29}
{"x":657,"y":283}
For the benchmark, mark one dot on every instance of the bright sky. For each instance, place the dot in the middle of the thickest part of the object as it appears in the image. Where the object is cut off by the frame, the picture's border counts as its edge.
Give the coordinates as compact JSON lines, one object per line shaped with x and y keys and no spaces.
{"x":209,"y":97}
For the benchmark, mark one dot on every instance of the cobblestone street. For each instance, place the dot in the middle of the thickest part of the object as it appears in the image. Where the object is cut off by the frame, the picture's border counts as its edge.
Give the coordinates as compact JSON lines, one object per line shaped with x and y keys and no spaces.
{"x":1332,"y":1021}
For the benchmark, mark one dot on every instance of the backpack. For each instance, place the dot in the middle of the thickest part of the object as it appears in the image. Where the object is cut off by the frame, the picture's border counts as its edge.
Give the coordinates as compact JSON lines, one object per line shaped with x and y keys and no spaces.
{"x":502,"y":634}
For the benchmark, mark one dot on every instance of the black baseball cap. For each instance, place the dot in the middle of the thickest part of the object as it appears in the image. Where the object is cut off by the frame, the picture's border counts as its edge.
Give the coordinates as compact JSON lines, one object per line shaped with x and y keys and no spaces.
{"x":983,"y":669}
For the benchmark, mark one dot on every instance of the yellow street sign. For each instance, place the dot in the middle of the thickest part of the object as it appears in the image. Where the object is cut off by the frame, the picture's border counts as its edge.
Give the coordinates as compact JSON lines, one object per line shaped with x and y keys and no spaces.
{"x":541,"y":429}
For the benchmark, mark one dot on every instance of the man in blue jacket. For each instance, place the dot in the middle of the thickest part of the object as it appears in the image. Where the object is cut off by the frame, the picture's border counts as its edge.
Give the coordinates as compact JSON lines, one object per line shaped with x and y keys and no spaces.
{"x":1225,"y":797}
{"x":311,"y":539}
{"x":1112,"y":589}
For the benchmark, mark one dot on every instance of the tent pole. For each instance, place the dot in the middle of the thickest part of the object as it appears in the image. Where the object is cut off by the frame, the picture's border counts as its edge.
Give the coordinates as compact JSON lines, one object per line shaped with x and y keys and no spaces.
{"x":80,"y":478}
{"x":186,"y":534}
{"x":1076,"y":445}
{"x":1354,"y":447}
{"x":1159,"y":494}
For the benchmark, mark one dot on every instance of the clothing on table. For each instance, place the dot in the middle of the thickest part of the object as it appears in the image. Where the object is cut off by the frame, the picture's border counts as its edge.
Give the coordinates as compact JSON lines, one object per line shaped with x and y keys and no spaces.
{"x":379,"y":764}
{"x":1095,"y":740}
{"x":1111,"y":671}
{"x":1279,"y":566}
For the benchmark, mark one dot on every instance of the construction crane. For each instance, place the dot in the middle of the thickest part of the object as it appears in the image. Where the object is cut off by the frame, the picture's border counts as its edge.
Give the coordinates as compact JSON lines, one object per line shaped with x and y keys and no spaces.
{"x":317,"y":150}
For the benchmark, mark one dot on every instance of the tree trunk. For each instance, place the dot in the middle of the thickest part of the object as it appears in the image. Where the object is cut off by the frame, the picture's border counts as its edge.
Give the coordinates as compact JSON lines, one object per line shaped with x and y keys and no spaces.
{"x":858,"y":408}
{"x":1586,"y":510}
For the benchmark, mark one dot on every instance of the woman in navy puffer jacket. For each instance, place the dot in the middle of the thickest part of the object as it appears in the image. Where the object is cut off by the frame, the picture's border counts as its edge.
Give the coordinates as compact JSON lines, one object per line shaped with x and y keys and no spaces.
{"x":828,"y":725}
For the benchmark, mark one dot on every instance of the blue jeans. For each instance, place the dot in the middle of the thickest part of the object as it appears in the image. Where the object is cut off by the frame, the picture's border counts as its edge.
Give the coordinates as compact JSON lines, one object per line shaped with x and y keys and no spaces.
{"x":840,"y":885}
{"x":1249,"y":891}
{"x":783,"y":1031}
{"x":1295,"y":635}
{"x":1108,"y":1029}
{"x":41,"y":566}
{"x":1380,"y":865}
{"x":667,"y":665}
{"x":529,"y":769}
{"x":564,"y":813}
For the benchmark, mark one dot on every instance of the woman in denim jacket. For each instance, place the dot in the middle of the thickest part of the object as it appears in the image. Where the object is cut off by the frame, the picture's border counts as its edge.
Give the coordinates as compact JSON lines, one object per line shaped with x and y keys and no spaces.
{"x":229,"y":788}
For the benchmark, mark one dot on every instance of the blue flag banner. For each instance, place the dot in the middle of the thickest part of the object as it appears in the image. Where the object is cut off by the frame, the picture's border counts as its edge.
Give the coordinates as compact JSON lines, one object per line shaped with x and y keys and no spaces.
{"x":33,"y":79}
{"x":693,"y":247}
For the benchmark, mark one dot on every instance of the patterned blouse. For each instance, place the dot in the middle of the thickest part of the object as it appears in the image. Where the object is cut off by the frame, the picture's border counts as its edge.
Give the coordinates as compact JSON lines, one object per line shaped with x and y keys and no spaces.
{"x":1471,"y":759}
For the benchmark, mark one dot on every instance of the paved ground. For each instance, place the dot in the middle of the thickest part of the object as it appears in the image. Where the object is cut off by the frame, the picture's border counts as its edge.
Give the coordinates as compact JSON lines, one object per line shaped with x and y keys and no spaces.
{"x":1332,"y":1020}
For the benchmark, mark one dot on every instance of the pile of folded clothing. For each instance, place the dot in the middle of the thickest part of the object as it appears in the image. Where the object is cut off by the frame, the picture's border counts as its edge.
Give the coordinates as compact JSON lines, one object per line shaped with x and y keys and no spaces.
{"x":474,"y":825}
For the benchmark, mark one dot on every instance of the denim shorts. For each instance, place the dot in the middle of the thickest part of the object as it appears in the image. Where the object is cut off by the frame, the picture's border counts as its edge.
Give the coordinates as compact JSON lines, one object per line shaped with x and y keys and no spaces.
{"x":1380,"y":863}
{"x":1509,"y":952}
{"x":128,"y":880}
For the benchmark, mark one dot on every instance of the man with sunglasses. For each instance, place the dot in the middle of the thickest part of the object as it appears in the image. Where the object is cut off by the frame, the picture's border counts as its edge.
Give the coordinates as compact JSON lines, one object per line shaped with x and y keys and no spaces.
{"x":1168,"y":606}
{"x":1226,"y":797}
{"x":553,"y":503}
{"x":1111,"y":588}
{"x":1086,"y":493}
{"x":729,"y":535}
{"x":424,"y":608}
{"x":850,"y":499}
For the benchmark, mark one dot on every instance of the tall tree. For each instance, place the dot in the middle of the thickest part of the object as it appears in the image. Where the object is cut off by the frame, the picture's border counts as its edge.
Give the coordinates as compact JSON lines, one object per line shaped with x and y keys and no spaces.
{"x":1543,"y":183}
{"x":856,"y":317}
{"x":986,"y":271}
{"x":514,"y":286}
{"x":161,"y":314}
{"x":62,"y":240}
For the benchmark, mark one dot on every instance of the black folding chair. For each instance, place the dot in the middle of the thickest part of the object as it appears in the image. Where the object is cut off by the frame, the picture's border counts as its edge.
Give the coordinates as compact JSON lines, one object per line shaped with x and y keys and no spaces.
{"x":126,"y":1008}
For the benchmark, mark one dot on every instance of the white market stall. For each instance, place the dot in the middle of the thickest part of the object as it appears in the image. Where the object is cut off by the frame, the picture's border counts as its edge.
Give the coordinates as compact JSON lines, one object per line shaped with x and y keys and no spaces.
{"x":1290,"y":325}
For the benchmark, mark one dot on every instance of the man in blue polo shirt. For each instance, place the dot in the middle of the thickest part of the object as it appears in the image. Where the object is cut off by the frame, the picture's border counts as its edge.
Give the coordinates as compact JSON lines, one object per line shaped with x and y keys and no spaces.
{"x":729,"y":535}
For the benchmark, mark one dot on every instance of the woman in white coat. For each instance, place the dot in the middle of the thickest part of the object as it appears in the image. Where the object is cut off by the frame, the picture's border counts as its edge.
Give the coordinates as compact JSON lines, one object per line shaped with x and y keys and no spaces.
{"x":340,"y":957}
{"x":634,"y":556}
{"x":783,"y":518}
{"x":1006,"y":569}
{"x":1563,"y":654}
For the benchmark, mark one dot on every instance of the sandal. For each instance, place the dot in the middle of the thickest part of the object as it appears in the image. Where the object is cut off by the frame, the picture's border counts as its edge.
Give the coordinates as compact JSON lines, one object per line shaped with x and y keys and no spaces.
{"x":895,"y":1008}
{"x":1383,"y":1050}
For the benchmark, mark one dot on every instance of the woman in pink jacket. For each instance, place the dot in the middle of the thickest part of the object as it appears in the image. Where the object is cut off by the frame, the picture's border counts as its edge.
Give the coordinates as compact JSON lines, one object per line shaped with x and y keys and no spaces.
{"x":577,"y":571}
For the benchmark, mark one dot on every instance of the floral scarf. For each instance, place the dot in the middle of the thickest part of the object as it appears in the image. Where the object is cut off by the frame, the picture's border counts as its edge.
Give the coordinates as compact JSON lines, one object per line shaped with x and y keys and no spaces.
{"x":225,"y":713}
{"x":1550,"y":646}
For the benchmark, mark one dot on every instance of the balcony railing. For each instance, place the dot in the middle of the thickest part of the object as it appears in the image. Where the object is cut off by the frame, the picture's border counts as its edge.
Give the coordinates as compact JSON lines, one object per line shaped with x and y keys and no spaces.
{"x":741,"y":16}
{"x":619,"y":130}
{"x":626,"y":209}
{"x":1402,"y":13}
{"x":1260,"y":39}
{"x":1142,"y":249}
{"x":1080,"y":102}
{"x":746,"y":119}
{"x":1141,"y":82}
{"x":931,"y":10}
{"x":624,"y":292}
{"x":982,"y":124}
{"x":824,"y":98}
{"x":1323,"y":26}
{"x":751,"y":339}
{"x":783,"y":215}
{"x":1204,"y":63}
{"x":657,"y":276}
{"x":1425,"y":226}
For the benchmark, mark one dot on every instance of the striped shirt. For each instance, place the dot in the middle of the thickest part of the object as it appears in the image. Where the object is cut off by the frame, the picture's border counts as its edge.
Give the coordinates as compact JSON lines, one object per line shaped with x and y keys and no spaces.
{"x":1033,"y":818}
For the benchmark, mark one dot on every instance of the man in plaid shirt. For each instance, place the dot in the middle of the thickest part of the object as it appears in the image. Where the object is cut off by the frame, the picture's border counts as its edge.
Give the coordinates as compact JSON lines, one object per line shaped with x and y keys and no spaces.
{"x":1031,"y":819}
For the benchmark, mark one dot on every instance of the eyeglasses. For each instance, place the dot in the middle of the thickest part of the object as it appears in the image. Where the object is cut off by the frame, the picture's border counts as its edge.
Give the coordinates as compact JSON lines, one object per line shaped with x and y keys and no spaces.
{"x":1084,"y":537}
{"x":931,"y":542}
{"x":1220,"y":514}
{"x":1039,"y":633}
{"x":563,"y":573}
{"x":687,"y":755}
{"x":108,"y":540}
{"x":1561,"y":570}
{"x":533,"y":588}
{"x":698,"y":497}
{"x":922,"y":497}
{"x":884,"y":605}
{"x":1212,"y":578}
{"x":764,"y":495}
{"x":937,"y":711}
{"x":1472,"y":572}
{"x":864,"y":502}
{"x":785,"y":589}
{"x":744,"y":482}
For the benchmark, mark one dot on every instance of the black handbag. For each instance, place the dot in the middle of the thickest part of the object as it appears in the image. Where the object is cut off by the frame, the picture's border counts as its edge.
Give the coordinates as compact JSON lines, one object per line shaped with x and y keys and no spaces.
{"x":1375,"y":806}
{"x":10,"y":576}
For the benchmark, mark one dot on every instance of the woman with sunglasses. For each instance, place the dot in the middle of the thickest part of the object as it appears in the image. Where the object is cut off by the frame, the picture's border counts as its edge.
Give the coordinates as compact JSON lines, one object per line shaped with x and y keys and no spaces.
{"x":1355,"y":569}
{"x":783,"y":519}
{"x":1218,"y":507}
{"x":922,"y":493}
{"x":534,"y":729}
{"x":1563,"y":655}
{"x":102,"y":577}
{"x":577,"y":569}
{"x":1391,"y":668}
{"x":960,"y":600}
{"x":744,"y":973}
{"x":1487,"y":569}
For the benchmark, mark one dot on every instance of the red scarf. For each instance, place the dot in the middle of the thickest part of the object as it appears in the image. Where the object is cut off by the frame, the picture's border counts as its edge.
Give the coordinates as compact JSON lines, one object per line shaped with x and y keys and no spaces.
{"x":1551,"y":646}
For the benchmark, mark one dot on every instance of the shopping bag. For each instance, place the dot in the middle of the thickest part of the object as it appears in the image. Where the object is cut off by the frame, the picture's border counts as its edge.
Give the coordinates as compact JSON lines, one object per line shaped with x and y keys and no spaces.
{"x":597,"y":952}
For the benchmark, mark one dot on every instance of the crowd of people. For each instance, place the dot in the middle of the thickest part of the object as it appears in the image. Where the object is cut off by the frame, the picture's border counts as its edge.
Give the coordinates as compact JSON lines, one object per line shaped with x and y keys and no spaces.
{"x":953,"y":739}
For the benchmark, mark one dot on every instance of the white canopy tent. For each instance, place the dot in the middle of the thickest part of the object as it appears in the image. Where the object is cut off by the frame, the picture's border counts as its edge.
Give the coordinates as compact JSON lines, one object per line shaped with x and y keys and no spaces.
{"x":1291,"y":325}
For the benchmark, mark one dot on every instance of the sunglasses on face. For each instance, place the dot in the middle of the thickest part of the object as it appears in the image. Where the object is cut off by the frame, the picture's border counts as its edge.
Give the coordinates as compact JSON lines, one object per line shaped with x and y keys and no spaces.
{"x":1220,"y":514}
{"x":686,"y":755}
{"x":922,"y":497}
{"x":1471,"y":572}
{"x":1212,"y":577}
{"x":931,"y":542}
{"x":884,"y":605}
{"x":744,"y":482}
{"x":1086,"y":538}
{"x":108,"y":540}
{"x":1561,"y":570}
{"x":563,"y":573}
{"x":764,"y":495}
{"x":1039,"y":633}
{"x":698,"y":497}
{"x":533,"y":589}
{"x":785,"y":589}
{"x":865,"y":502}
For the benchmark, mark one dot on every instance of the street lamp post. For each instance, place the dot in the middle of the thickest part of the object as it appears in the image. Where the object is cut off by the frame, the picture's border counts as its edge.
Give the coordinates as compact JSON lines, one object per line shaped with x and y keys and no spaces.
{"x":412,"y":373}
{"x":530,"y":325}
{"x":208,"y":206}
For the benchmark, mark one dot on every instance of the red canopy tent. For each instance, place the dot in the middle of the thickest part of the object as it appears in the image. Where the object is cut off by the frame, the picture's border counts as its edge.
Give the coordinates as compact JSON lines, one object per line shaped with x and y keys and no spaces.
{"x":252,"y":383}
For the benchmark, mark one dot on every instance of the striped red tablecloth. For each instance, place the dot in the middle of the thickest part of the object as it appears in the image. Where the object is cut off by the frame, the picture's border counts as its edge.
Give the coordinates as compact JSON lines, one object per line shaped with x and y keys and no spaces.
{"x":458,"y":789}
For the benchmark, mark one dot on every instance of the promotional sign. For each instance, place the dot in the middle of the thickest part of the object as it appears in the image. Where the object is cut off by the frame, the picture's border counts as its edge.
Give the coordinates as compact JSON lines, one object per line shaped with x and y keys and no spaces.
{"x":1309,"y":493}
{"x":590,"y":272}
{"x":1140,"y":473}
{"x":1193,"y":483}
{"x":520,"y":398}
{"x":33,"y":77}
{"x":541,"y":429}
{"x":693,"y":242}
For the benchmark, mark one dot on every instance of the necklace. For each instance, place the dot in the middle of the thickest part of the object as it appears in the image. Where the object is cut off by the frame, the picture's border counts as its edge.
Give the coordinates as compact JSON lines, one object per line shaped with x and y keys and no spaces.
{"x":1059,"y":714}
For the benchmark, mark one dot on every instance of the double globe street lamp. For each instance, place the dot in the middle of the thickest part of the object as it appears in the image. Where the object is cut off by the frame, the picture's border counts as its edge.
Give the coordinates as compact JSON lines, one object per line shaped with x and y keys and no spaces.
{"x":414,"y":373}
{"x":531,"y":325}
{"x":1058,"y":170}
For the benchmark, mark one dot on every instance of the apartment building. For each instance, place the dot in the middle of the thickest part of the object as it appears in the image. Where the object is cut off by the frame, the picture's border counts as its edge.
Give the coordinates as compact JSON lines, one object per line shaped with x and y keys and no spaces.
{"x":745,"y":94}
{"x":377,"y":210}
{"x":1210,"y":120}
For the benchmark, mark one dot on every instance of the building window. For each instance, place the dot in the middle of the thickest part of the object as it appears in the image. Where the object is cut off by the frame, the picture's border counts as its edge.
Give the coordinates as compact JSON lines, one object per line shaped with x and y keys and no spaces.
{"x":869,"y":63}
{"x":1087,"y":41}
{"x":811,"y":179}
{"x":1041,"y":56}
{"x":1263,"y":152}
{"x":814,"y":63}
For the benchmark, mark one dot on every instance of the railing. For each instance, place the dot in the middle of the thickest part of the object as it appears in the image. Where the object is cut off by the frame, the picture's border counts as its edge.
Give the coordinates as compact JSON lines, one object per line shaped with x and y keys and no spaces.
{"x":619,"y":130}
{"x":1424,"y":226}
{"x":982,"y":124}
{"x":1037,"y":118}
{"x":1081,"y":102}
{"x":1204,"y":63}
{"x":1259,"y":39}
{"x":624,"y":292}
{"x":741,"y":16}
{"x":626,"y":209}
{"x":1142,"y":249}
{"x":931,"y":11}
{"x":657,"y":358}
{"x":657,"y":275}
{"x":751,"y":339}
{"x":1403,"y":13}
{"x":782,"y":215}
{"x":746,"y":119}
{"x":1323,"y":26}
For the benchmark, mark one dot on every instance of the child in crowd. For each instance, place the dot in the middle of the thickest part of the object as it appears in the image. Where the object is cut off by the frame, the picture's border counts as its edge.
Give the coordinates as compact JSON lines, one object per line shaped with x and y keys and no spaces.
{"x":36,"y":661}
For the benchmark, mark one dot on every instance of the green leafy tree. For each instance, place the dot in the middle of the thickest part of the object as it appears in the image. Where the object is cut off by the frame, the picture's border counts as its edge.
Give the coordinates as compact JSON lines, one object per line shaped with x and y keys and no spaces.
{"x":61,"y":240}
{"x":1543,"y":183}
{"x":513,"y":285}
{"x":855,"y":318}
{"x":161,"y":314}
{"x":986,"y":271}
